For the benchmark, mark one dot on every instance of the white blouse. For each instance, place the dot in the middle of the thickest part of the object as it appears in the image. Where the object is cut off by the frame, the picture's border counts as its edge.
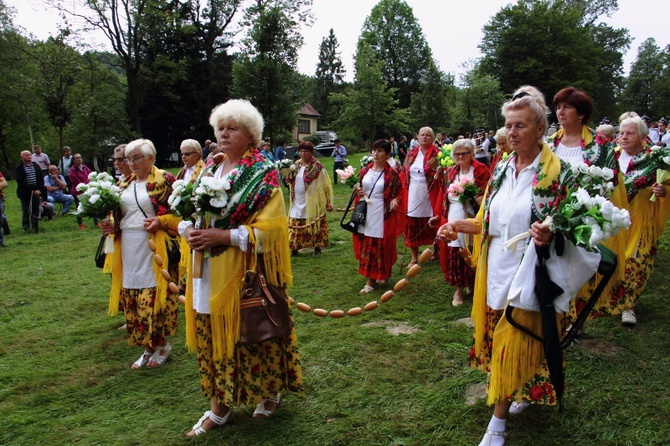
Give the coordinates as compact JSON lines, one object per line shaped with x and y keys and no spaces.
{"x":571,"y":155}
{"x":509,"y":216}
{"x":374,"y":219}
{"x":457,"y":211}
{"x":299,"y":205}
{"x":418,"y":201}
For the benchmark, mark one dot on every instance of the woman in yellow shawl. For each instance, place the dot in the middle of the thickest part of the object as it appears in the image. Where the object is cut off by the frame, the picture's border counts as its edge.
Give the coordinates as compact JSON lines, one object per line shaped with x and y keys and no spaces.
{"x":577,"y":144}
{"x":526,"y":187}
{"x":311,"y":196}
{"x":250,"y":214}
{"x":640,"y":163}
{"x":137,"y":281}
{"x":191,"y":155}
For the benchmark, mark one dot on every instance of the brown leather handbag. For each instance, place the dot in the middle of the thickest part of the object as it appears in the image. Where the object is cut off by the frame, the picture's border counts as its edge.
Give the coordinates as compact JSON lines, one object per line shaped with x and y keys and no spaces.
{"x":264,"y":308}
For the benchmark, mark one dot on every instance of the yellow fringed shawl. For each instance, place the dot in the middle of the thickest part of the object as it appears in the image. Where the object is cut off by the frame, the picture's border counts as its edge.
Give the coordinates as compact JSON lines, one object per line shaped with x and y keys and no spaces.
{"x":113,"y":262}
{"x":548,"y":172}
{"x":227,"y":277}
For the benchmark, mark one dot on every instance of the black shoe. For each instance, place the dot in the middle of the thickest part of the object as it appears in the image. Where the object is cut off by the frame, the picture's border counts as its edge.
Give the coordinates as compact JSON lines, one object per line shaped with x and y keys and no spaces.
{"x":2,"y":245}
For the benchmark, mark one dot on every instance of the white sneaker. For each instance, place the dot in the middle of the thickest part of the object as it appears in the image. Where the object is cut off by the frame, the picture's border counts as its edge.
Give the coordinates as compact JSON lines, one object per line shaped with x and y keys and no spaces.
{"x":628,"y":317}
{"x":517,"y":408}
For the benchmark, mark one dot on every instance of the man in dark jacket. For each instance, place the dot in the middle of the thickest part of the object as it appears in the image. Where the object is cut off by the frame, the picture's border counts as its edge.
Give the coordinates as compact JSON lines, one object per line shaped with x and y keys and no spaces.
{"x":30,"y":190}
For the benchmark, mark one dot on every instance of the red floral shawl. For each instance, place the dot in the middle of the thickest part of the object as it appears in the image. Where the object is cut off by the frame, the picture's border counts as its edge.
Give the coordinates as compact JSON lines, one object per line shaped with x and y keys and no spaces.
{"x":429,"y":168}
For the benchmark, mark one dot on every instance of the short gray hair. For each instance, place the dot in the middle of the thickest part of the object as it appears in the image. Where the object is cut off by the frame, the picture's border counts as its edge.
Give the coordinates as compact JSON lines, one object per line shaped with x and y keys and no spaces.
{"x":243,"y":113}
{"x":146,"y":147}
{"x":467,"y":143}
{"x":642,"y":128}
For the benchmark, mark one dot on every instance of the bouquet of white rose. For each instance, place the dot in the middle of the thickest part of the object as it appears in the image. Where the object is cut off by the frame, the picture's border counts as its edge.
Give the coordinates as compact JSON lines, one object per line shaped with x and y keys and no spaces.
{"x":99,"y":197}
{"x":595,"y":180}
{"x":285,"y":166}
{"x":367,"y":159}
{"x":210,"y":195}
{"x":583,"y":219}
{"x":181,"y":199}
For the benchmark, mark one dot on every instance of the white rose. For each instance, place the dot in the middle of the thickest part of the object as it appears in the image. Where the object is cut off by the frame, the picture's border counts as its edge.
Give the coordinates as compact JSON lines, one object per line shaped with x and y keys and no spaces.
{"x":94,"y":198}
{"x":218,"y":202}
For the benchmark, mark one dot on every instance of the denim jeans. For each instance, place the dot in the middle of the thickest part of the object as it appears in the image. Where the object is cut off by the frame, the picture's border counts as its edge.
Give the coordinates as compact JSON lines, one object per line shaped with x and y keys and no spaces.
{"x":66,"y":199}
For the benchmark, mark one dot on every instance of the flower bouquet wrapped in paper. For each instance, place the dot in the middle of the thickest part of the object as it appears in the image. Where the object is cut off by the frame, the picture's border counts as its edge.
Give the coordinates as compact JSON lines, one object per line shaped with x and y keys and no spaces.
{"x":348,"y":176}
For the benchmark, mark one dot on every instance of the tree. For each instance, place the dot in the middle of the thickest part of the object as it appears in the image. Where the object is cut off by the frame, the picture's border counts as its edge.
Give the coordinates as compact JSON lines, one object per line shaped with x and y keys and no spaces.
{"x":429,"y":104}
{"x":59,"y":65}
{"x":395,"y":36}
{"x":329,"y":76}
{"x":641,"y":92}
{"x":265,"y":72}
{"x":21,"y":107}
{"x":568,"y":48}
{"x":369,"y":110}
{"x":479,"y":101}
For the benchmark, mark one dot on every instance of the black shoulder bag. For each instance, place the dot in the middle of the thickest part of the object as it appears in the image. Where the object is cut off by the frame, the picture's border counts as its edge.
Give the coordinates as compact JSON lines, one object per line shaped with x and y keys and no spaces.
{"x":359,"y":212}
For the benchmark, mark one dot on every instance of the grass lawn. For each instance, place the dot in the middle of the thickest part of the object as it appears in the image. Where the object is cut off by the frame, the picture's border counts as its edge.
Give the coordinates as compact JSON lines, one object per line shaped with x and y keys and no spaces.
{"x":65,"y":374}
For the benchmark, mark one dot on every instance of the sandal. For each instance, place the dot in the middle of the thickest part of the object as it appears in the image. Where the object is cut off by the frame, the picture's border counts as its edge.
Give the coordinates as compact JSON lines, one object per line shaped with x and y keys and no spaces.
{"x":411,"y":264}
{"x":218,"y":421}
{"x":381,"y":282}
{"x":262,"y":412}
{"x":366,"y":289}
{"x":159,"y":358}
{"x":488,"y":438}
{"x":142,"y":360}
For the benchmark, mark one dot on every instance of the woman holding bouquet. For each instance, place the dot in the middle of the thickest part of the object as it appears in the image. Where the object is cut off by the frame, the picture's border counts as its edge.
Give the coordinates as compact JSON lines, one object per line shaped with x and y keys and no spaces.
{"x":191,"y":155}
{"x":143,"y":216}
{"x":640,"y":165}
{"x":247,"y":213}
{"x":577,"y":144}
{"x":524,"y":189}
{"x":375,"y":242}
{"x":422,"y":193}
{"x":311,"y":196}
{"x":463,"y":187}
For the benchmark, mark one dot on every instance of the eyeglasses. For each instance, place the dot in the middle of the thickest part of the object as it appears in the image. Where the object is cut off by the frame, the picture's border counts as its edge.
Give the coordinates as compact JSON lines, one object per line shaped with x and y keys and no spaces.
{"x":188,"y":153}
{"x":461,"y":154}
{"x":519,"y":95}
{"x":118,"y":160}
{"x":134,"y":160}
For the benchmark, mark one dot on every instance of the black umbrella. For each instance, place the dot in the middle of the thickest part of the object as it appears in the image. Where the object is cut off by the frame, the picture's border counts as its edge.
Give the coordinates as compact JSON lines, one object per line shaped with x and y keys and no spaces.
{"x":546,"y":291}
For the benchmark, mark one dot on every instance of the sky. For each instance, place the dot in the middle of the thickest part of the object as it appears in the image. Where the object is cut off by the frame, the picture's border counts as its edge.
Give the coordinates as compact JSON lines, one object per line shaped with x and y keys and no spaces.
{"x":452,"y":28}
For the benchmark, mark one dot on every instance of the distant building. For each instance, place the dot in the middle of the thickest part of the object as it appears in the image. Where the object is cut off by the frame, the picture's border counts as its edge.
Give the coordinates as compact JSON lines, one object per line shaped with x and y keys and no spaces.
{"x":307,"y":122}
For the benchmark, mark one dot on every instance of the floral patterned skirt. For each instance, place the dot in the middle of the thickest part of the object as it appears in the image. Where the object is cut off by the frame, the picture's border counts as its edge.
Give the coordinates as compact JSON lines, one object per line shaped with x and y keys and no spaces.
{"x":145,"y":326}
{"x":418,"y":233}
{"x":257,"y":371}
{"x":314,"y":236}
{"x":457,"y":271}
{"x":374,"y":263}
{"x":518,"y":366}
{"x":481,"y":360}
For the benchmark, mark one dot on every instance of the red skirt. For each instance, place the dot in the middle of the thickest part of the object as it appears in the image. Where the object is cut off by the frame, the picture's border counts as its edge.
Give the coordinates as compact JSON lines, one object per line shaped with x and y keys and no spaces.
{"x":418,"y":232}
{"x":376,"y":257}
{"x":457,"y":271}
